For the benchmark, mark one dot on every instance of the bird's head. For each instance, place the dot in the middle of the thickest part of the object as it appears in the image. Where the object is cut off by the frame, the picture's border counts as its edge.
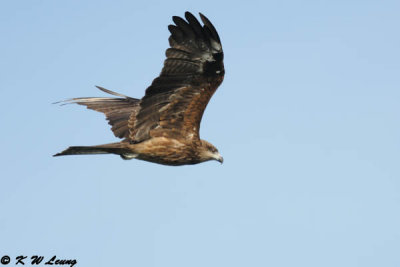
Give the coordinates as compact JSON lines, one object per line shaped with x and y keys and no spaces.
{"x":210,"y":152}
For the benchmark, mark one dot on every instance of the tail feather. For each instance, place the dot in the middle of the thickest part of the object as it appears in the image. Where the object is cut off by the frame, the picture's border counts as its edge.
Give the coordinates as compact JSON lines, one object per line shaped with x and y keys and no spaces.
{"x":89,"y":150}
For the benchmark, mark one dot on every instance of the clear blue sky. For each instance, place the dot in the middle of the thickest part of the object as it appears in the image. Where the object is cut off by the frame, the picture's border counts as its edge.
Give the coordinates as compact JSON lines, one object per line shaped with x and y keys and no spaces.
{"x":307,"y":119}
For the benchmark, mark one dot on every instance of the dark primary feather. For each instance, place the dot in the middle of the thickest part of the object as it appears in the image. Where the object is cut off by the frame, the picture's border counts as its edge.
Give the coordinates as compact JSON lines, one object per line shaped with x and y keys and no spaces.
{"x":210,"y":27}
{"x":174,"y":103}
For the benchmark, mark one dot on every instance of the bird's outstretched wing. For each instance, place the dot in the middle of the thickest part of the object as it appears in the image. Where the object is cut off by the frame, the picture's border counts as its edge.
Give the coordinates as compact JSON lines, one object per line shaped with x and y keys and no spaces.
{"x":175,"y":102}
{"x":118,"y":110}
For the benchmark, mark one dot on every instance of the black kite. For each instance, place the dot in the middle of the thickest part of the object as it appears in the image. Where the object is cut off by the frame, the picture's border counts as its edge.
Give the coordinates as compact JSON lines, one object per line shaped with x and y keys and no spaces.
{"x":163,"y":127}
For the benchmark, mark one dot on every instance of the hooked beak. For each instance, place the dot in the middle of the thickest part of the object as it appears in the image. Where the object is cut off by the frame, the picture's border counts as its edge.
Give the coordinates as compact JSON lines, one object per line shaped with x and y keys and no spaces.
{"x":220,"y":159}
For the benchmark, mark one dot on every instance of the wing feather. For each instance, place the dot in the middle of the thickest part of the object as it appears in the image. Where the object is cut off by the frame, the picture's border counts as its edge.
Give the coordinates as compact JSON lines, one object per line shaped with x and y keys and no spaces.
{"x":193,"y":69}
{"x":118,"y":110}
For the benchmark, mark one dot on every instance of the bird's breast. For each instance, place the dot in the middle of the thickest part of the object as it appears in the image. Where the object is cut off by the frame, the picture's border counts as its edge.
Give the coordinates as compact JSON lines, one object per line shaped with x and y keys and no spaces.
{"x":167,"y":151}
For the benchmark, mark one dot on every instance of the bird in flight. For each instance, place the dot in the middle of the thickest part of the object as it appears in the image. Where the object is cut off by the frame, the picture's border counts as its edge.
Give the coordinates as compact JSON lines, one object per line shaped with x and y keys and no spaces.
{"x":163,"y":127}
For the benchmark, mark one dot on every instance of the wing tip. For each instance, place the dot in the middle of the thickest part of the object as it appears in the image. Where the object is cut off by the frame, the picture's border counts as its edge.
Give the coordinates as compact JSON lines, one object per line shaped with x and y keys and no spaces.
{"x":189,"y":26}
{"x":188,"y":14}
{"x":207,"y":23}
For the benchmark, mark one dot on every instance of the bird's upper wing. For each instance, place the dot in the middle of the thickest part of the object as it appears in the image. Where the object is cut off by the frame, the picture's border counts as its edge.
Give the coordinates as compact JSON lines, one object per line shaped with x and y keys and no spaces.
{"x":175,"y":102}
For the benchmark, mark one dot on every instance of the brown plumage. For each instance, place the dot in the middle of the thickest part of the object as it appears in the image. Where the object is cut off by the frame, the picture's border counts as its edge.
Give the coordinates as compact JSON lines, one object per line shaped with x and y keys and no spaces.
{"x":163,"y":127}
